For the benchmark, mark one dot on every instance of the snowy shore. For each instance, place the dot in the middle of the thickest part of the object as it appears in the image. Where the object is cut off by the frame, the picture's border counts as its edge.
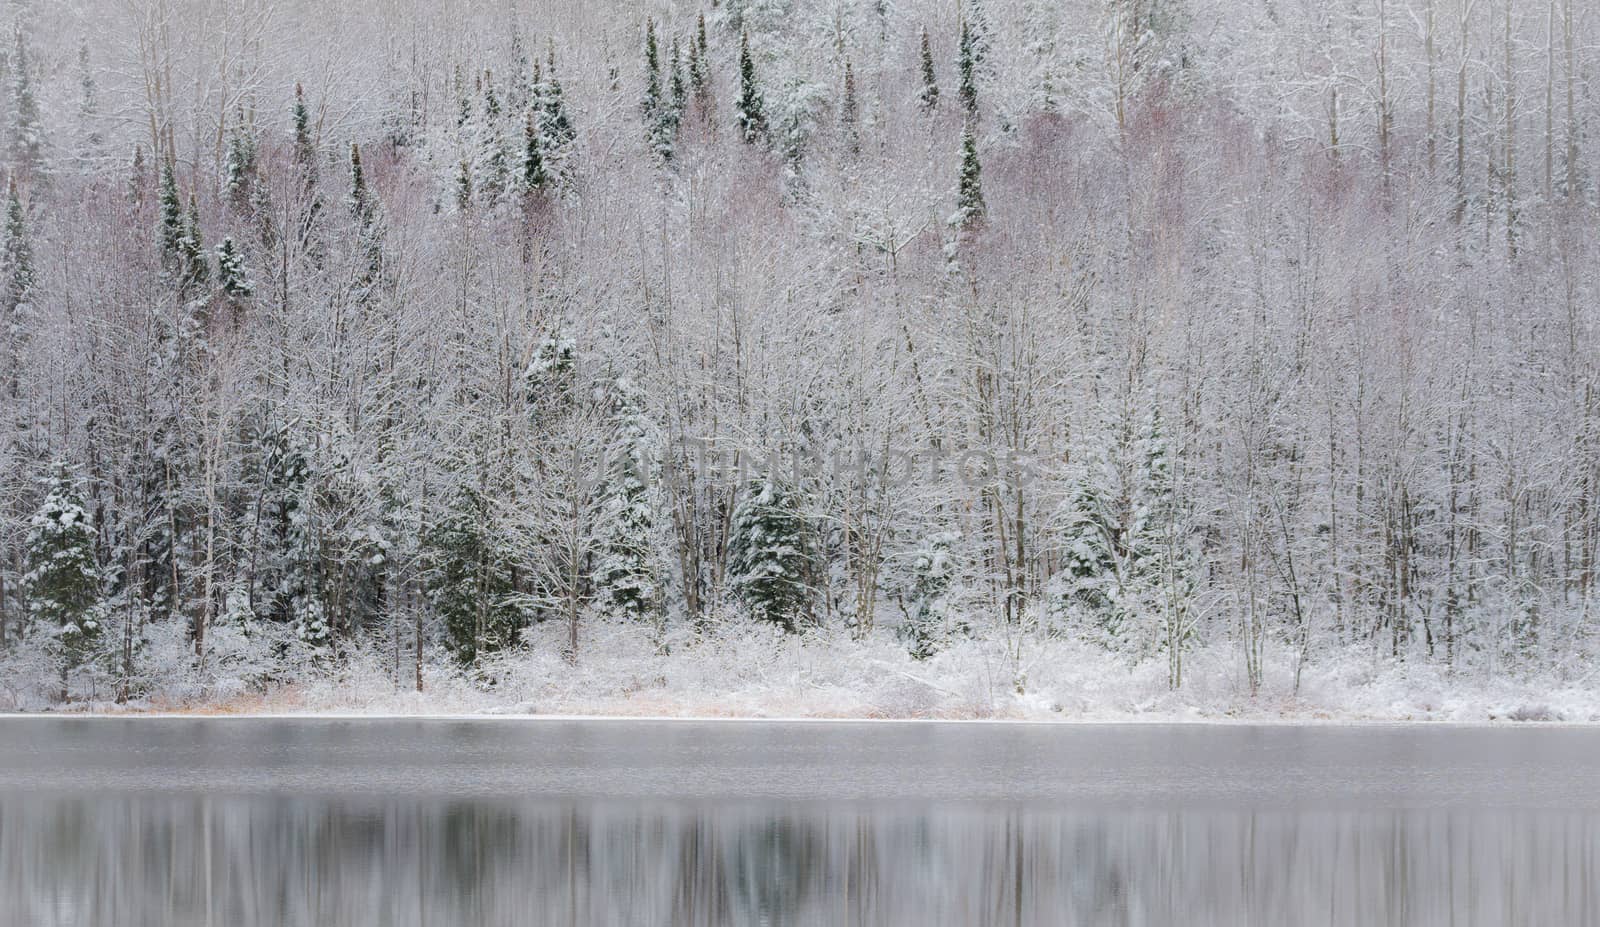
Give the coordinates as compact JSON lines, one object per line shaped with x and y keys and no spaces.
{"x":752,"y":672}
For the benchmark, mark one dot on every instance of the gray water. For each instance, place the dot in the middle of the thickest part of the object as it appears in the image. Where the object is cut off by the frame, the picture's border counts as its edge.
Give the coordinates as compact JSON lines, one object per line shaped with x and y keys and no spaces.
{"x":240,"y":823}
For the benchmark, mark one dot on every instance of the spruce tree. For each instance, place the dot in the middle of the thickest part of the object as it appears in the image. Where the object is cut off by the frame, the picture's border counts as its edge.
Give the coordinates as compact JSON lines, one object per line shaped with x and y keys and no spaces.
{"x":533,"y":172}
{"x":88,"y":102}
{"x":849,"y":113}
{"x":364,"y":210}
{"x":769,"y":553}
{"x":305,"y":151}
{"x":360,"y":200}
{"x":556,"y":126}
{"x":967,"y":67}
{"x":625,"y":568}
{"x":138,"y":177}
{"x":191,"y":247}
{"x":306,"y":170}
{"x":929,"y":94}
{"x":464,"y":186}
{"x":932,"y":575}
{"x":650,"y":102}
{"x":232,"y":277}
{"x":468,"y":579}
{"x":700,"y":68}
{"x":171,"y":229}
{"x":970,"y":207}
{"x":27,"y":128}
{"x":239,"y":169}
{"x":16,"y":262}
{"x":751,"y":112}
{"x":63,"y":585}
{"x":678,"y":95}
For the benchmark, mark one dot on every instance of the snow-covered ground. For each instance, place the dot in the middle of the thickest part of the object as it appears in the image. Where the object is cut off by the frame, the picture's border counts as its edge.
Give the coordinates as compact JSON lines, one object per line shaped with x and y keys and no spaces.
{"x":751,"y":671}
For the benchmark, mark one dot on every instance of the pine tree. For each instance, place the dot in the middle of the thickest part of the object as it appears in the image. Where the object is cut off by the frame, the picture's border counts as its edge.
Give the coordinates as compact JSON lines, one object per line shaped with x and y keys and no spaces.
{"x":769,"y":553}
{"x":970,"y":208}
{"x":929,"y":94}
{"x":967,"y":66}
{"x":849,"y":113}
{"x":16,"y":262}
{"x":63,"y":585}
{"x":625,"y":569}
{"x":27,"y":128}
{"x":751,"y":113}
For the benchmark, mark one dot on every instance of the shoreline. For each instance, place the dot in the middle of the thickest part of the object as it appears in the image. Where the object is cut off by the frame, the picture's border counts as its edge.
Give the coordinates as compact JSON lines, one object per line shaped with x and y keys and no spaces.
{"x":547,"y":718}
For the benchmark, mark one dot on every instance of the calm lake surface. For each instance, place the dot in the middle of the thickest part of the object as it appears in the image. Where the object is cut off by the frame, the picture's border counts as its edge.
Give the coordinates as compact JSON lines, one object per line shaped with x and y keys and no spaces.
{"x":331,"y":823}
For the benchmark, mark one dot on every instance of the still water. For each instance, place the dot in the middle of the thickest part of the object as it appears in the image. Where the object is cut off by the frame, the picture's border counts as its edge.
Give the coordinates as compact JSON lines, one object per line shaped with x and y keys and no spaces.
{"x":247,"y":823}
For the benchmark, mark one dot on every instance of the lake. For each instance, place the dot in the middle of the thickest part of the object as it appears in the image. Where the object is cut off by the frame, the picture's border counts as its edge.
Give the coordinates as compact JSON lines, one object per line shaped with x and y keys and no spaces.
{"x":347,"y":823}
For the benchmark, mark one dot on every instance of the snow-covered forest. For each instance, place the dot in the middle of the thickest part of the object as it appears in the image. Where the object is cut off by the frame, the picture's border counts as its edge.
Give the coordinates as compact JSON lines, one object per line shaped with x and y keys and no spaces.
{"x":633,"y":347}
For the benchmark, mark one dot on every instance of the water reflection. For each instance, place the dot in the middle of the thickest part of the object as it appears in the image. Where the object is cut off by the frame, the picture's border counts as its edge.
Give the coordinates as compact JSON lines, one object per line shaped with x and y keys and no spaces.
{"x":242,"y":862}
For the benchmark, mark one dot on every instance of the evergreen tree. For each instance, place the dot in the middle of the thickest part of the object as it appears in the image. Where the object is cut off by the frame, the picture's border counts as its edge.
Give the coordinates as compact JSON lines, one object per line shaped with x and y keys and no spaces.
{"x":533,"y":172}
{"x":192,"y":250}
{"x":360,"y":199}
{"x":625,"y":569}
{"x":700,"y":68}
{"x":932,"y":574}
{"x":496,"y":173}
{"x":849,"y":113}
{"x":929,"y":94}
{"x":138,"y":177}
{"x":232,"y":277}
{"x":556,"y":127}
{"x":769,"y":553}
{"x":306,"y":171}
{"x":976,"y":19}
{"x":650,"y":102}
{"x":364,"y":210}
{"x":678,"y":94}
{"x":970,"y":208}
{"x":16,"y":262}
{"x":171,"y":221}
{"x":468,"y":579}
{"x":491,"y":98}
{"x":239,"y":169}
{"x":661,"y":110}
{"x":464,"y":186}
{"x":62,"y":587}
{"x":305,"y":151}
{"x":1126,"y":550}
{"x":88,"y":102}
{"x":27,"y":128}
{"x":751,"y":113}
{"x":967,"y":63}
